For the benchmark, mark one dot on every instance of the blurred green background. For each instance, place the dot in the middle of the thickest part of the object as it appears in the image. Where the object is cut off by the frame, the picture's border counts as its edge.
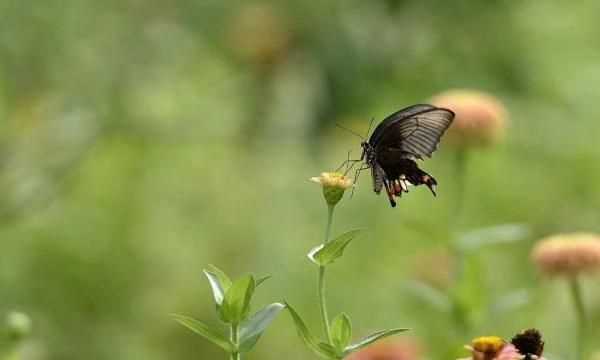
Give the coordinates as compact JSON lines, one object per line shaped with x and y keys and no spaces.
{"x":142,"y":140}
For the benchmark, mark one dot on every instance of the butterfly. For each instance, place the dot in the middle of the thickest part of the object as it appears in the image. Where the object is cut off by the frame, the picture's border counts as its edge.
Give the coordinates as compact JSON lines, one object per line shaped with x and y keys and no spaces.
{"x":398,"y":142}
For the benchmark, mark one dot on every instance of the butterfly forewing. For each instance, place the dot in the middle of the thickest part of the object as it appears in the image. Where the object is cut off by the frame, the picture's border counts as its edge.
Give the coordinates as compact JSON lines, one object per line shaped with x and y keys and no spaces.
{"x":395,"y":117}
{"x":417,"y":135}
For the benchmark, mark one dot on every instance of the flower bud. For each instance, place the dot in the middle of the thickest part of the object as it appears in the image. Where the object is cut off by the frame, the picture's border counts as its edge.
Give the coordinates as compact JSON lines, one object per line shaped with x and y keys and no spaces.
{"x":334,"y":185}
{"x":480,"y":118}
{"x":568,"y":254}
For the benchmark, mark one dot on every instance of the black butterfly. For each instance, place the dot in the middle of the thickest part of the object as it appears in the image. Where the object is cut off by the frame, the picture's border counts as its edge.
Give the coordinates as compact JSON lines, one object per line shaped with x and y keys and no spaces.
{"x":398,"y":142}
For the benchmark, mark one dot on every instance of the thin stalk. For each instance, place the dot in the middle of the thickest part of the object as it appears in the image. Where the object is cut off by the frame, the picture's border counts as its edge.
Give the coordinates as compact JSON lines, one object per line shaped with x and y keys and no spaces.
{"x":460,"y":317}
{"x":581,"y":320}
{"x":234,"y":335}
{"x":322,"y":302}
{"x":461,"y":161}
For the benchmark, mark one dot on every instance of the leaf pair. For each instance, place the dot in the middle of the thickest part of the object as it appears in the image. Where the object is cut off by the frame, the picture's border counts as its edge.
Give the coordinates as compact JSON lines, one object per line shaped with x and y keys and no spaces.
{"x":232,"y":299}
{"x":327,"y":253}
{"x":341,"y":333}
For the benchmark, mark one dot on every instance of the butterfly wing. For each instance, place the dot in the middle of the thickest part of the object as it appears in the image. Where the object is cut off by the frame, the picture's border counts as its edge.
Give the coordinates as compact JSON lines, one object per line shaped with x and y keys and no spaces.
{"x":413,"y":132}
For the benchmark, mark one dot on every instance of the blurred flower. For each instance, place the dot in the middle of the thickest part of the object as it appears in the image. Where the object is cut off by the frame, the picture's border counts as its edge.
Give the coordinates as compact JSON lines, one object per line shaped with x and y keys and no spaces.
{"x":334,"y":184}
{"x":18,"y":325}
{"x":568,"y":254}
{"x":398,"y":350}
{"x":259,"y":35}
{"x":492,"y":348}
{"x":480,"y":118}
{"x":529,"y":343}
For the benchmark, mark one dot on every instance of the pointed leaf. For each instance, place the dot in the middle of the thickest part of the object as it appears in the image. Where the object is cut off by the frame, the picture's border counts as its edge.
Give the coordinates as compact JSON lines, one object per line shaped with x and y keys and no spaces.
{"x":216,"y":287}
{"x":236,"y":304}
{"x":261,"y":280}
{"x":224,"y":280}
{"x":205,"y":331}
{"x":325,"y":254}
{"x":341,"y":331}
{"x":371,"y":339}
{"x":323,"y":350}
{"x":252,"y":329}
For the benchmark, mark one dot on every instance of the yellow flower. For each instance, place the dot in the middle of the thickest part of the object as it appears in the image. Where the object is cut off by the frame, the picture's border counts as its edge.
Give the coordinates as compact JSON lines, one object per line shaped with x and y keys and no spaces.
{"x":334,"y":184}
{"x":568,"y":254}
{"x":492,"y":348}
{"x":480,"y":118}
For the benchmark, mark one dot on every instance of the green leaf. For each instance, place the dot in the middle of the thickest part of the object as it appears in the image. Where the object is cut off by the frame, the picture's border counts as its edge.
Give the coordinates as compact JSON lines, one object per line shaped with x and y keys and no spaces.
{"x":236,"y":304}
{"x":261,"y":280}
{"x":323,"y":350}
{"x":216,"y":287}
{"x":205,"y":331}
{"x":325,"y":254}
{"x":341,"y":332}
{"x":329,"y":349}
{"x":219,"y":283}
{"x":371,"y":339}
{"x":252,"y":329}
{"x":224,"y":280}
{"x":493,"y":235}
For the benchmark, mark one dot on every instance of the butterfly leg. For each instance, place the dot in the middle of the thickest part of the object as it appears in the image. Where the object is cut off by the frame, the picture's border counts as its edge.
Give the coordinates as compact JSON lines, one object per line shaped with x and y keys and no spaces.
{"x":356,"y":175}
{"x":348,"y":163}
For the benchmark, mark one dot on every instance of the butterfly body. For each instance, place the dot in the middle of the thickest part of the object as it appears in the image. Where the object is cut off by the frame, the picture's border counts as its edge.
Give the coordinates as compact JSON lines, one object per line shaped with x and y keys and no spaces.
{"x":398,"y":142}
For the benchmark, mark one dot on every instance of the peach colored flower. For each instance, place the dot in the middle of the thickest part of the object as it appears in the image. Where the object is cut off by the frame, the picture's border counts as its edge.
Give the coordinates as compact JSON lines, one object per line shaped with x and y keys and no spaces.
{"x":480,"y":118}
{"x":567,"y":254}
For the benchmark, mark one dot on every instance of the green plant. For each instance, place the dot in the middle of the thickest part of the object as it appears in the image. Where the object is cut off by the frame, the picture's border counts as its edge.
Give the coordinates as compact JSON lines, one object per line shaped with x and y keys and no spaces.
{"x":232,"y":299}
{"x":338,"y":332}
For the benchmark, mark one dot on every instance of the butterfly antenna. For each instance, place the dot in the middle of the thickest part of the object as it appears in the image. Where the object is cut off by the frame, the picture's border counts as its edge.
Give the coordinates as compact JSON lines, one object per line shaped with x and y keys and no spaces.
{"x":370,"y":124}
{"x":350,"y":131}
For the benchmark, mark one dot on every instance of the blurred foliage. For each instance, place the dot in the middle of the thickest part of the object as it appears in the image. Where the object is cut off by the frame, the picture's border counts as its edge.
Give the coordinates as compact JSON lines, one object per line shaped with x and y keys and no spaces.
{"x":142,"y":140}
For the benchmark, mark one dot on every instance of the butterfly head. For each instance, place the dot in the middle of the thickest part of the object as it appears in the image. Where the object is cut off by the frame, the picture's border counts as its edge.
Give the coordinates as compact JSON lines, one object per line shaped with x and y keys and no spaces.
{"x":368,"y":153}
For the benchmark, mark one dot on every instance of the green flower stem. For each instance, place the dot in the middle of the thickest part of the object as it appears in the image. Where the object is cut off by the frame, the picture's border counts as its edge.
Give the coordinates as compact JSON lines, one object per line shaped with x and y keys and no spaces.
{"x":461,"y":161}
{"x":322,"y":302}
{"x":460,"y":313}
{"x":581,"y":320}
{"x":234,"y":336}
